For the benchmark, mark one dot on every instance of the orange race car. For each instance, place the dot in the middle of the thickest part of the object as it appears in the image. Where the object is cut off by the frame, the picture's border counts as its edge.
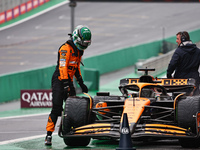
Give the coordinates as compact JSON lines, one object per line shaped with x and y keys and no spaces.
{"x":156,"y":108}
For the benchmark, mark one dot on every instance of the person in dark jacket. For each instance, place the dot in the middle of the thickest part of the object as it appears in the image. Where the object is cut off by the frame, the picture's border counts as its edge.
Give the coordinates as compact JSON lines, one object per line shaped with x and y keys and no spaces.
{"x":185,"y":60}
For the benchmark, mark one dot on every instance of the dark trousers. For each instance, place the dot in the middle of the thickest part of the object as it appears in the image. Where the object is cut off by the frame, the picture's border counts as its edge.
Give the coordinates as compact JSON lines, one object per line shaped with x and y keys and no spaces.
{"x":57,"y":100}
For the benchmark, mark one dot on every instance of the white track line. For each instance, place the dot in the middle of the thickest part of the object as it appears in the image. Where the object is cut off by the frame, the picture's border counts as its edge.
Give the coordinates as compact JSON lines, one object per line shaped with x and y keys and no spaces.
{"x":24,"y":139}
{"x":13,"y":117}
{"x":35,"y":15}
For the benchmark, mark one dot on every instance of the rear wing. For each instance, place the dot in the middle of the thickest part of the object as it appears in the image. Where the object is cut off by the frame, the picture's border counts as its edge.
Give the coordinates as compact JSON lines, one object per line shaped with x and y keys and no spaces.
{"x":169,"y":84}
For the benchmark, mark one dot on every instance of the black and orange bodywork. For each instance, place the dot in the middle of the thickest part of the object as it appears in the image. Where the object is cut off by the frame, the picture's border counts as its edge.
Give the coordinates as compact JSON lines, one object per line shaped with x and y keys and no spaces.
{"x":148,"y":116}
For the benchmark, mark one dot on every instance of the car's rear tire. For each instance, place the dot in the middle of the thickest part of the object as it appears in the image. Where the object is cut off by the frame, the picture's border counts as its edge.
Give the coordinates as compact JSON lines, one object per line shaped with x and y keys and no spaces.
{"x":75,"y":115}
{"x":187,"y":108}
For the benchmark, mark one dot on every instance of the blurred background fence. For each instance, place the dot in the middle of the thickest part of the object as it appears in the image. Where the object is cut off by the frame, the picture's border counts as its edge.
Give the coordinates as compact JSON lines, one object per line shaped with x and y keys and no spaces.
{"x":9,"y":4}
{"x":10,"y":9}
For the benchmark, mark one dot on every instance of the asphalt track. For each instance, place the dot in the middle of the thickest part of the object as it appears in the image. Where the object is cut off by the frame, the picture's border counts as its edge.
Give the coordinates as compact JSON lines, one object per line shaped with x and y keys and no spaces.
{"x":34,"y":44}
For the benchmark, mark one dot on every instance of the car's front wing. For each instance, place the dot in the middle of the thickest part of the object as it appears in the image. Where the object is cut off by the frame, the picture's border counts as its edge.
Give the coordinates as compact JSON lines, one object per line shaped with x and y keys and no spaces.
{"x":111,"y":130}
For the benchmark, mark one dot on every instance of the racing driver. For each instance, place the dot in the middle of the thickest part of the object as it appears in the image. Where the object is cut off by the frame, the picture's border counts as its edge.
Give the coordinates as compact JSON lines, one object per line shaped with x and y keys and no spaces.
{"x":68,"y":66}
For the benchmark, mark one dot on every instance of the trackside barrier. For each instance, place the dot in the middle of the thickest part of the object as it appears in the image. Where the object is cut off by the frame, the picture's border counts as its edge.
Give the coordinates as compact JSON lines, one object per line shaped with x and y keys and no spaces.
{"x":122,"y":58}
{"x":11,"y":84}
{"x":159,"y":63}
{"x":91,"y":78}
{"x":20,"y":9}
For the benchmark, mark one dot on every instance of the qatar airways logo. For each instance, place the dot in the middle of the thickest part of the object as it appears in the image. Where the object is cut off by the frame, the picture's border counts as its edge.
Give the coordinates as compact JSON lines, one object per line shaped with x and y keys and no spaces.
{"x":36,"y":98}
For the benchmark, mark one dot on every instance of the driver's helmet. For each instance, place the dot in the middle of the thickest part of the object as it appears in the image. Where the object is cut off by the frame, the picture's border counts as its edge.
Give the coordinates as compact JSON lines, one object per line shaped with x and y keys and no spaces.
{"x":81,"y":37}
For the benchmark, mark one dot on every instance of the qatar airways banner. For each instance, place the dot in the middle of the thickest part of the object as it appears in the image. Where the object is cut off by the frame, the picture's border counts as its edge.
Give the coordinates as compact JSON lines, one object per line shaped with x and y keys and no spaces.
{"x":36,"y":98}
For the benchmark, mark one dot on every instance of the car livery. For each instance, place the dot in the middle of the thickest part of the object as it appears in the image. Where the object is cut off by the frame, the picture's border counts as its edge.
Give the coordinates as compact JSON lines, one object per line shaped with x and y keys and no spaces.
{"x":157,"y":108}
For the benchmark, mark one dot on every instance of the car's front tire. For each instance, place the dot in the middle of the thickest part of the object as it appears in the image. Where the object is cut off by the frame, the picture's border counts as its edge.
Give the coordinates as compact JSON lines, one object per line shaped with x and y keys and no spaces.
{"x":76,"y":114}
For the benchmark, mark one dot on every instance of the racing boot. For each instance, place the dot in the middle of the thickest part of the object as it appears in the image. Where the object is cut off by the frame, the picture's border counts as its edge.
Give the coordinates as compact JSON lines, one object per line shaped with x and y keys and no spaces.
{"x":48,"y":140}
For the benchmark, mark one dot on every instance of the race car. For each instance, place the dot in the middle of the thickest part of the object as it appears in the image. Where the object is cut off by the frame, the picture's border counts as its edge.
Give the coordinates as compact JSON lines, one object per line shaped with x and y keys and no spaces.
{"x":156,"y":108}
